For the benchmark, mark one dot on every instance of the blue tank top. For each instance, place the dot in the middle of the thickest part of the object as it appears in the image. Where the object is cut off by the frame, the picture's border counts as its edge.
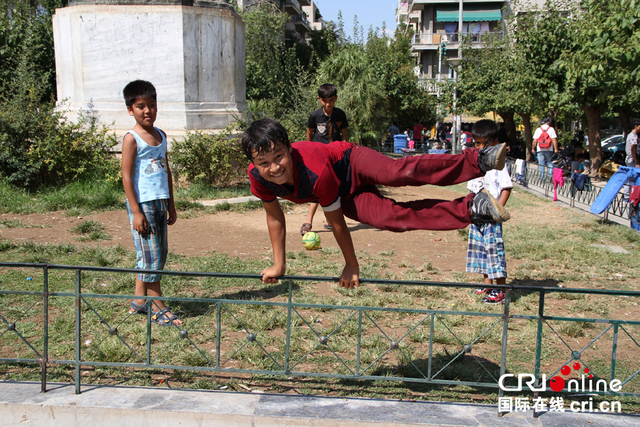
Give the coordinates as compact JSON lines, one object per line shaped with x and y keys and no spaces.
{"x":150,"y":178}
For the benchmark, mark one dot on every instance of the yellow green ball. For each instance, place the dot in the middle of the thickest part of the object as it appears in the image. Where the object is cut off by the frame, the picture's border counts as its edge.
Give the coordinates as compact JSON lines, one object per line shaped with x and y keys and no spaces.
{"x":311,"y":241}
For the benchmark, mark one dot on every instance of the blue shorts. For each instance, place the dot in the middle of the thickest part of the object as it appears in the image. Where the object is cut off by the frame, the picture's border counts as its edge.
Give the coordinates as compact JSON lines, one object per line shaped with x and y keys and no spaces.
{"x":152,"y":247}
{"x":485,"y":251}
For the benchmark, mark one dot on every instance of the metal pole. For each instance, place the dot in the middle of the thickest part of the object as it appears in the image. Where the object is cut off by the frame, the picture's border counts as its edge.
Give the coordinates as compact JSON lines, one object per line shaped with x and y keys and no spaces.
{"x":614,"y":351}
{"x":455,"y":139}
{"x":288,"y":344}
{"x":78,"y":320}
{"x":539,"y":346}
{"x":438,"y":86}
{"x":218,"y":333}
{"x":45,"y":349}
{"x":454,"y":127}
{"x":505,"y":332}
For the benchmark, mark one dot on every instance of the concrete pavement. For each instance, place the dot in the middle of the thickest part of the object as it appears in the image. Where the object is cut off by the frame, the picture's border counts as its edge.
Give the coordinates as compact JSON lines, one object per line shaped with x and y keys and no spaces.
{"x":22,"y":404}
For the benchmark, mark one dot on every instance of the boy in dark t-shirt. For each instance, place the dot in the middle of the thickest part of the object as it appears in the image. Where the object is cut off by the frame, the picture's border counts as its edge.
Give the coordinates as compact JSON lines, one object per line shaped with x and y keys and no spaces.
{"x":342,"y":178}
{"x":326,"y":124}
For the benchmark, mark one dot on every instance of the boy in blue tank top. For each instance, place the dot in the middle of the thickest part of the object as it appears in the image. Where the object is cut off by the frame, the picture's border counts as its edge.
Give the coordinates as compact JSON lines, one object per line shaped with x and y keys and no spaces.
{"x":146,"y":178}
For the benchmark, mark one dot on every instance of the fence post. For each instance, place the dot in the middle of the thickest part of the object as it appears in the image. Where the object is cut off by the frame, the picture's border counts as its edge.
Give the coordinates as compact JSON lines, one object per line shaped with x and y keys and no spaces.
{"x":288,"y":345}
{"x":359,"y":342}
{"x":78,"y":320}
{"x":505,"y":330}
{"x":433,"y":317}
{"x":539,"y":346}
{"x":218,"y":333}
{"x":45,"y":346}
{"x":614,"y":351}
{"x":149,"y":314}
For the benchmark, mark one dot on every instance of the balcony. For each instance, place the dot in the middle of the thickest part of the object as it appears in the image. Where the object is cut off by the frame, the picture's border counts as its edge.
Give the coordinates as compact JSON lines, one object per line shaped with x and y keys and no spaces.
{"x":292,"y":6}
{"x":301,"y":21}
{"x":401,"y":12}
{"x":414,"y":16}
{"x":431,"y":41}
{"x":430,"y":85}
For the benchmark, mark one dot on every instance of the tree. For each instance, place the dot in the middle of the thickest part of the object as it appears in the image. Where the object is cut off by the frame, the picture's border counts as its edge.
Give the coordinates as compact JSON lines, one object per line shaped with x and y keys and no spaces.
{"x":265,"y":49}
{"x":603,"y":64}
{"x":377,"y":84}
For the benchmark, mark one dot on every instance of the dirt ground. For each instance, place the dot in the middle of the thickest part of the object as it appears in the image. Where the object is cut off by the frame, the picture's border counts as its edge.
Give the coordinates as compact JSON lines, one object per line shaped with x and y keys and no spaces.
{"x":245,"y":234}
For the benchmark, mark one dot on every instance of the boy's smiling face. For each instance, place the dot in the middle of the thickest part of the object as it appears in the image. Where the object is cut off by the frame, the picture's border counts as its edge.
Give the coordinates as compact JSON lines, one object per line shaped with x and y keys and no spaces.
{"x":275,"y":165}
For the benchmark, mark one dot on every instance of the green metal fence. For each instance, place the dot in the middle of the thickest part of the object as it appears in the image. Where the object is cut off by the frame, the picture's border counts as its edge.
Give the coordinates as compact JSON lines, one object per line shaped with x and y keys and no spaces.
{"x":288,"y":338}
{"x":619,"y":207}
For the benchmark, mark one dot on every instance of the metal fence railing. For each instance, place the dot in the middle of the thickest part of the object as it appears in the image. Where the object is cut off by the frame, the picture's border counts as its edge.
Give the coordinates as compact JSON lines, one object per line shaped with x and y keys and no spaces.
{"x":292,"y":336}
{"x":568,"y":193}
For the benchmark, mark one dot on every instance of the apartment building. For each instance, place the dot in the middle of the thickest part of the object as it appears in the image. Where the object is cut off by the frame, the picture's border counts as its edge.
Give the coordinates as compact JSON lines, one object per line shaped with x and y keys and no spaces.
{"x":436,"y":23}
{"x":304,"y":16}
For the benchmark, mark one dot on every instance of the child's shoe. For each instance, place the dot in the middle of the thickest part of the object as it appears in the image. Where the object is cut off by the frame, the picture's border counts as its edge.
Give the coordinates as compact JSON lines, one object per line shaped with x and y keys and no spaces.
{"x":495,"y":297}
{"x":492,"y":157}
{"x":485,"y":208}
{"x":481,"y":291}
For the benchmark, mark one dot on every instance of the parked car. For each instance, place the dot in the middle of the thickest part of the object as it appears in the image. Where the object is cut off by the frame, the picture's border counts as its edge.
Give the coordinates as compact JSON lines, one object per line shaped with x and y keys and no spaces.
{"x":468,"y":135}
{"x":613,"y":144}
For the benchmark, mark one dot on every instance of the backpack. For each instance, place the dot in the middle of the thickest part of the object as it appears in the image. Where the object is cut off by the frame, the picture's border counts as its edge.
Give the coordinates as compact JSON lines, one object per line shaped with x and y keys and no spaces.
{"x":544,"y":140}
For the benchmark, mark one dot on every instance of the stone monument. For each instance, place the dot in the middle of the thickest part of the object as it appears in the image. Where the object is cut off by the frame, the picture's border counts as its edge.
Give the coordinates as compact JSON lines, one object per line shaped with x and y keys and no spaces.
{"x":193,"y":51}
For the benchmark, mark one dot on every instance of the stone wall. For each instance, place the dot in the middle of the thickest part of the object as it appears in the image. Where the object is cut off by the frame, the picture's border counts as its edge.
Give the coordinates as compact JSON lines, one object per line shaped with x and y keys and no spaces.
{"x":195,"y":57}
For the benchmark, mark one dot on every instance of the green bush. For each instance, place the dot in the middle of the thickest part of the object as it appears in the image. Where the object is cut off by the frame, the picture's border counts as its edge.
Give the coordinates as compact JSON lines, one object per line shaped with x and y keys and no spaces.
{"x":205,"y":158}
{"x":40,"y":147}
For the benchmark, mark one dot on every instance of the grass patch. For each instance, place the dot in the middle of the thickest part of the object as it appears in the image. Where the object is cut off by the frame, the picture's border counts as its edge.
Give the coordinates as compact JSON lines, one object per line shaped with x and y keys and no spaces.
{"x":84,"y":198}
{"x":90,"y":231}
{"x":16,"y":223}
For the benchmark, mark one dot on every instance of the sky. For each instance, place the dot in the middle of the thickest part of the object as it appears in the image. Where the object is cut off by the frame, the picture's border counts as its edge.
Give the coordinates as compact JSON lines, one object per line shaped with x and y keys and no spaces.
{"x":369,"y":12}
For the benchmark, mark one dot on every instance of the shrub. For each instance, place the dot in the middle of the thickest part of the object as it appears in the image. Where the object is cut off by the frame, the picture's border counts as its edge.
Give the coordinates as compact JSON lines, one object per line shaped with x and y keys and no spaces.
{"x":40,"y":147}
{"x":206,"y":158}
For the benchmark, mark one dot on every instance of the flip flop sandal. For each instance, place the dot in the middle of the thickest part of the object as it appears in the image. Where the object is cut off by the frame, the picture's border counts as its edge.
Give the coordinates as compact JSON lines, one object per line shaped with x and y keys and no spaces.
{"x":160,"y":317}
{"x":138,"y":308}
{"x":306,"y":227}
{"x":328,"y":227}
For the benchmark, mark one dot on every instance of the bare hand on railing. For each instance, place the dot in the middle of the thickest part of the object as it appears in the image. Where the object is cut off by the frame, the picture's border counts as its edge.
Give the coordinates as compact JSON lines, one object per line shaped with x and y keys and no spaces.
{"x":271,"y":274}
{"x":350,"y":277}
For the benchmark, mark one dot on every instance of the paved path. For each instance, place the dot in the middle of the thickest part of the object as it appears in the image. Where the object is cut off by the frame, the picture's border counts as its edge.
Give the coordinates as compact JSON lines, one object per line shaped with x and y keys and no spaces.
{"x":243,"y":199}
{"x":21,"y":404}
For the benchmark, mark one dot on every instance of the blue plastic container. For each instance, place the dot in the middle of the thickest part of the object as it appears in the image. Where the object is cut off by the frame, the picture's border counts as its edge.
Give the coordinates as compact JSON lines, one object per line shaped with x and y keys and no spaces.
{"x":399,"y":142}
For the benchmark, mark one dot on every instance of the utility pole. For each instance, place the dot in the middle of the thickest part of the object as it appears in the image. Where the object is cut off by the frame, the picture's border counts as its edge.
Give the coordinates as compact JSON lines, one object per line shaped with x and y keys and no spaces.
{"x":455,"y":136}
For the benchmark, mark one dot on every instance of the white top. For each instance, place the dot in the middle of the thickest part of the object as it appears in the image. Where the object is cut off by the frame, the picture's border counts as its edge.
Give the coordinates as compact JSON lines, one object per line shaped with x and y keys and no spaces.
{"x":494,"y":182}
{"x":632,"y":139}
{"x":550,"y":131}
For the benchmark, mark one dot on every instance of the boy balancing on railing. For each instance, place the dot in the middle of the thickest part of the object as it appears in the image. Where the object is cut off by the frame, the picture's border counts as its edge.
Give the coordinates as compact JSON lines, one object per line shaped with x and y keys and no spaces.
{"x":146,"y":178}
{"x":342,"y":178}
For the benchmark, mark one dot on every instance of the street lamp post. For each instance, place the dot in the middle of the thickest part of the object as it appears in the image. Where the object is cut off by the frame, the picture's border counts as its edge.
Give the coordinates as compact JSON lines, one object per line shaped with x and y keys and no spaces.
{"x":455,"y":63}
{"x":455,"y":135}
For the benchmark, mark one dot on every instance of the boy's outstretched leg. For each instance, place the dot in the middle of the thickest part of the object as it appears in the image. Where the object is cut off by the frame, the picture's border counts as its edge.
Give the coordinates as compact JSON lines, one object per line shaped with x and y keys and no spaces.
{"x":368,"y":167}
{"x":371,"y":207}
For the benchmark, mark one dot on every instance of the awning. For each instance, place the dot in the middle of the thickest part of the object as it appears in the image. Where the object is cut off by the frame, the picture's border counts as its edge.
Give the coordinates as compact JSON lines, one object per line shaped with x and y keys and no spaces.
{"x":470,"y":12}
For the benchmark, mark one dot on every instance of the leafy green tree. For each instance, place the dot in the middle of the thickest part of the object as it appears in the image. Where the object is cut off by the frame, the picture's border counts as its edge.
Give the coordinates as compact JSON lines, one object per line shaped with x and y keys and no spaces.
{"x":377,"y":85}
{"x":265,"y":49}
{"x":26,"y":49}
{"x":38,"y":146}
{"x":603,"y":64}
